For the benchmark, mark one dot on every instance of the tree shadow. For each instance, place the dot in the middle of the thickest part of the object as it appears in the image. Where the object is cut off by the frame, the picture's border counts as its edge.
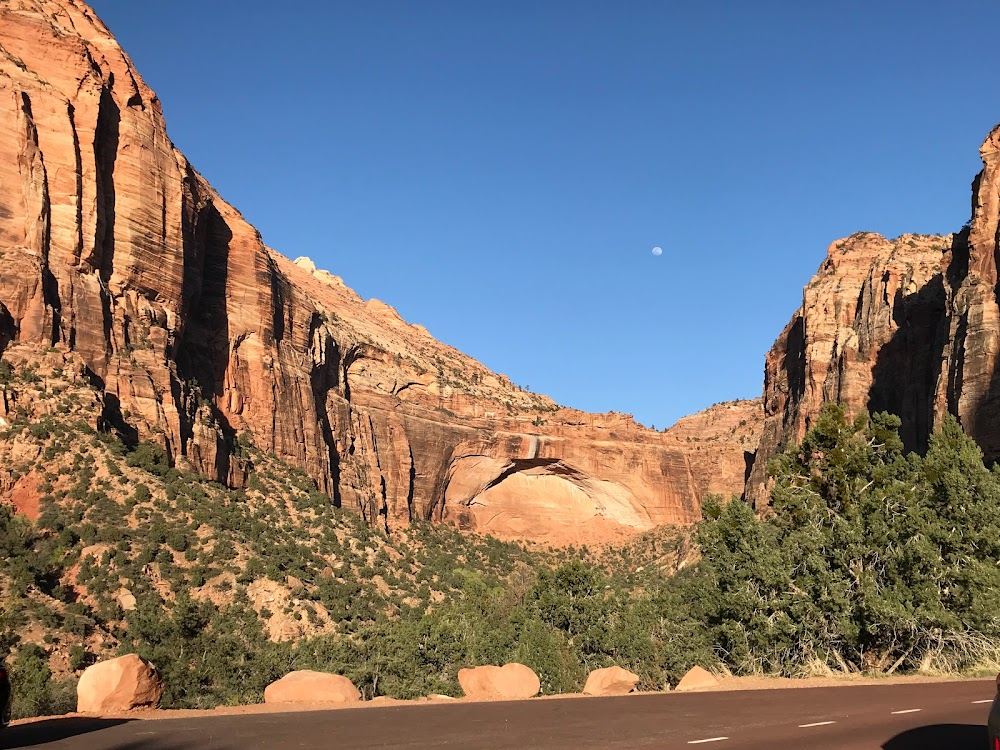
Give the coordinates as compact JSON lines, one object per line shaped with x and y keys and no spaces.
{"x":939,"y":737}
{"x":53,"y":730}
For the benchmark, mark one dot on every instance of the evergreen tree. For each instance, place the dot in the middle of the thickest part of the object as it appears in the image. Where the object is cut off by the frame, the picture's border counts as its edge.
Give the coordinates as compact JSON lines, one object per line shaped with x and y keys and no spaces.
{"x":867,"y":559}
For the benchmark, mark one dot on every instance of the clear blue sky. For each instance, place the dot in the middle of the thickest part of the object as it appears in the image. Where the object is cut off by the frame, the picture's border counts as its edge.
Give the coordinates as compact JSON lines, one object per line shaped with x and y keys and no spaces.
{"x":499,"y":171}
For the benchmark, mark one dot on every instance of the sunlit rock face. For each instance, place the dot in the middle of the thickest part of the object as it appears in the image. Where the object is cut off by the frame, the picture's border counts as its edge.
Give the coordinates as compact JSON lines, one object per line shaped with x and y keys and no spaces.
{"x":869,"y":334}
{"x":198,"y":337}
{"x":970,"y":383}
{"x":910,"y":326}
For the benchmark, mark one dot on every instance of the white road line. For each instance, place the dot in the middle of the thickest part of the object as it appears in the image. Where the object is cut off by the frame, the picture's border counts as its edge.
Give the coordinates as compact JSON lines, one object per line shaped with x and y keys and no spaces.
{"x":988,"y":700}
{"x":816,"y":724}
{"x":907,"y":711}
{"x":710,"y":739}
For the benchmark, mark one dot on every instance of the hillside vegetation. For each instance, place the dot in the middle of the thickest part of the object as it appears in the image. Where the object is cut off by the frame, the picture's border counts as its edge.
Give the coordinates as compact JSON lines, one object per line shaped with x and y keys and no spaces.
{"x":226,"y":590}
{"x":867,"y":560}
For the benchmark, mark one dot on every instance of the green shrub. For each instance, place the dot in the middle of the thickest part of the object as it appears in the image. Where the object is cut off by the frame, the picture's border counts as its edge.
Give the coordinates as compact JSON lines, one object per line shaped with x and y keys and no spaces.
{"x":78,"y":657}
{"x":869,"y":560}
{"x":37,"y":694}
{"x":149,"y":457}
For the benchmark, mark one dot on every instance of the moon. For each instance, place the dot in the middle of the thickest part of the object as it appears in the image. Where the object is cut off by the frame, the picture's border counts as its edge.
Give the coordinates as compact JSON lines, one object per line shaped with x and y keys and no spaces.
{"x":657,"y":251}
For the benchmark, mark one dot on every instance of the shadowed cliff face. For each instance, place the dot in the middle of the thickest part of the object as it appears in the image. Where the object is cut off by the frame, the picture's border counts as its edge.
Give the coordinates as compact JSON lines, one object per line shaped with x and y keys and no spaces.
{"x":198,"y":335}
{"x":871,"y":334}
{"x":910,"y":326}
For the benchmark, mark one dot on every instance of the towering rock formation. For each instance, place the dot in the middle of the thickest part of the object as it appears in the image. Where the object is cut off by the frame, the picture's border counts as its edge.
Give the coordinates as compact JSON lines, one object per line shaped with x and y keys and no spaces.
{"x":870,"y":334}
{"x":195,"y":333}
{"x":910,"y":326}
{"x":970,"y":387}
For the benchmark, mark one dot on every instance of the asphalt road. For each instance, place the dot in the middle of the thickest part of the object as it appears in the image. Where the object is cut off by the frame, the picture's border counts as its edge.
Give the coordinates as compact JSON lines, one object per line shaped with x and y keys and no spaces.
{"x":942,"y":716}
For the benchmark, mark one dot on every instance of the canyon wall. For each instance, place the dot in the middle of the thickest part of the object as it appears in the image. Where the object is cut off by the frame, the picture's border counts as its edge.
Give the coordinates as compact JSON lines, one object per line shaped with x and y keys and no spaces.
{"x":197,"y":336}
{"x":909,"y":326}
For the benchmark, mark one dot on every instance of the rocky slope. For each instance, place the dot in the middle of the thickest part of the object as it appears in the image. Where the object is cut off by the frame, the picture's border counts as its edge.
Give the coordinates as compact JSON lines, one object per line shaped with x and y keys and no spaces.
{"x":196,"y":335}
{"x":910,"y":326}
{"x":107,"y":549}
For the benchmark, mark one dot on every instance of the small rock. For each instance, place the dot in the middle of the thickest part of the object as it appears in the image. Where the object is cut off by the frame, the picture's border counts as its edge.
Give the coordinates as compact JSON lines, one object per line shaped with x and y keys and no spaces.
{"x":126,"y":600}
{"x":306,"y":686}
{"x":509,"y":682}
{"x":697,"y":679}
{"x":610,"y":681}
{"x":385,"y":700}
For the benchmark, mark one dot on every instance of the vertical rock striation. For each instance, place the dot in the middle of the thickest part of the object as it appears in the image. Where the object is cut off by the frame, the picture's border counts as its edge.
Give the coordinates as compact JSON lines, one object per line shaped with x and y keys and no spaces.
{"x":969,"y":387}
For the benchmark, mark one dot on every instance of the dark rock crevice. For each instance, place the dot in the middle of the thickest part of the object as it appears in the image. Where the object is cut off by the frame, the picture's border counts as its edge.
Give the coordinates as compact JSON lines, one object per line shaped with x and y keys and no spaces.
{"x":8,"y":328}
{"x":204,"y":346}
{"x":905,"y":373}
{"x":324,"y":378}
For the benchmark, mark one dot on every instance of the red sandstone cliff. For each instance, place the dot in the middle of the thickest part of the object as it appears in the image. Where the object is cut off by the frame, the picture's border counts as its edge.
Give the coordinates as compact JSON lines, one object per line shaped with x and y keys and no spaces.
{"x":910,"y":326}
{"x":869,"y":334}
{"x":969,"y":385}
{"x":114,"y":247}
